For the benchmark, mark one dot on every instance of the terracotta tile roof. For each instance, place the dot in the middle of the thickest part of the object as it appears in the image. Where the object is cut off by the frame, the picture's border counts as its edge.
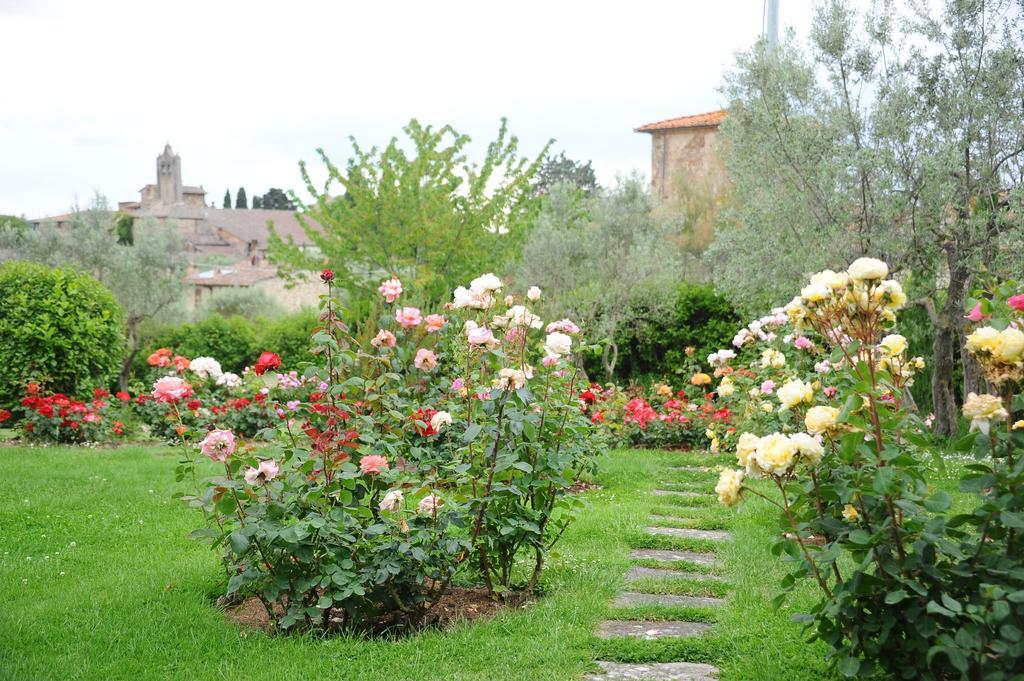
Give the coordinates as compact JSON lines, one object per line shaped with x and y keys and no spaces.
{"x":701,"y":120}
{"x":236,"y":275}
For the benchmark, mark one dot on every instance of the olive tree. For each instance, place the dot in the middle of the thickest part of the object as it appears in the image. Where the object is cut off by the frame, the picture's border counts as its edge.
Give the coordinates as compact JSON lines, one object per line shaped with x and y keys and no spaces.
{"x":893,"y":133}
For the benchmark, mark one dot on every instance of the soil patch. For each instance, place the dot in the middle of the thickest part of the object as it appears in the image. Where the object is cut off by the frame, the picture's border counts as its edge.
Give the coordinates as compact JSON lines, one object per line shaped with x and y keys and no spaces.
{"x":457,"y":605}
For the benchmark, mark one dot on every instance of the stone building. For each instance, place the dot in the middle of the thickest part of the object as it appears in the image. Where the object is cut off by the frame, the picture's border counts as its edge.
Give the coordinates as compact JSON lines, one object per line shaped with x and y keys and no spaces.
{"x":228,"y":247}
{"x":684,"y":150}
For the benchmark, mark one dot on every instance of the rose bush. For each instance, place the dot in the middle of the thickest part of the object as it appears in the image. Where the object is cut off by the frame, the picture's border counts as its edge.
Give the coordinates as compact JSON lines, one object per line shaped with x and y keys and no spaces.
{"x":60,"y":419}
{"x":908,"y":587}
{"x":449,"y":442}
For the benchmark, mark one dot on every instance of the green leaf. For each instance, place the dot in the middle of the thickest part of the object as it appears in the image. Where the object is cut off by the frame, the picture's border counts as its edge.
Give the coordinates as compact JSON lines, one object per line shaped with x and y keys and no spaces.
{"x":239,"y":542}
{"x":849,"y":666}
{"x":894,"y":597}
{"x":938,"y":502}
{"x":1014,"y":519}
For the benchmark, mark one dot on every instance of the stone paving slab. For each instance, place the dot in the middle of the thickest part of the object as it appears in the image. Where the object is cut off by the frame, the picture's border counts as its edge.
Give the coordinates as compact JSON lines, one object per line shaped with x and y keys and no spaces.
{"x":685,"y":533}
{"x":708,"y":559}
{"x":628,"y":599}
{"x":650,"y":631}
{"x":636,"y":573}
{"x":692,"y":469}
{"x":655,"y":671}
{"x":676,"y":493}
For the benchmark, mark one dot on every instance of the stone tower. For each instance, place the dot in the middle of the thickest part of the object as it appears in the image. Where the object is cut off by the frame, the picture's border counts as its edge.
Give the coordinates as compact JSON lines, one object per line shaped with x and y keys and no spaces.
{"x":168,"y":177}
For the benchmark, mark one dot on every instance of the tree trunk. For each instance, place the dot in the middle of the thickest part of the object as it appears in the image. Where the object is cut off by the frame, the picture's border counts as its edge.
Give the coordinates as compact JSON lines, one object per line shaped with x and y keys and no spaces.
{"x":126,"y":363}
{"x":973,"y":381}
{"x":609,"y":358}
{"x":945,"y":346}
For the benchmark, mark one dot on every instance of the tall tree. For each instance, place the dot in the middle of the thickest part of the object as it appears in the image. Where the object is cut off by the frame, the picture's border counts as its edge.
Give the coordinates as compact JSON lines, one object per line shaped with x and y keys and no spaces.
{"x":561,"y":169}
{"x":227,"y":198}
{"x":417,"y":208}
{"x":277,"y":199}
{"x":257,"y":202}
{"x":240,"y":199}
{"x":900,"y":135}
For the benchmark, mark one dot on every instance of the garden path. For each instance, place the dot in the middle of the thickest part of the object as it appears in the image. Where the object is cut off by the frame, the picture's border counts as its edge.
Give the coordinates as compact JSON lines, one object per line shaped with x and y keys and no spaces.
{"x":660,"y":583}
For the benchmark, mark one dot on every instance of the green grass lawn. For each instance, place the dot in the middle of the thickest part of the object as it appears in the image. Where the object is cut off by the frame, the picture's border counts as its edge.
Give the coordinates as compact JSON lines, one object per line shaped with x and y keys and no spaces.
{"x":98,"y":581}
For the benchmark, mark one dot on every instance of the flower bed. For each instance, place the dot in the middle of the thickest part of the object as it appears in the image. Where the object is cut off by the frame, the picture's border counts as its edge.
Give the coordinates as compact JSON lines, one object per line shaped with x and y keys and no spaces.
{"x":447,"y":443}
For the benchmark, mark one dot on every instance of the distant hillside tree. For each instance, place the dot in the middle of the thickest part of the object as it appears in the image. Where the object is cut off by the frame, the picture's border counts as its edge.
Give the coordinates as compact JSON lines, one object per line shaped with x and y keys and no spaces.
{"x":240,"y":199}
{"x":227,"y":198}
{"x":13,"y":223}
{"x":420,"y":209}
{"x":561,"y":169}
{"x":257,"y":202}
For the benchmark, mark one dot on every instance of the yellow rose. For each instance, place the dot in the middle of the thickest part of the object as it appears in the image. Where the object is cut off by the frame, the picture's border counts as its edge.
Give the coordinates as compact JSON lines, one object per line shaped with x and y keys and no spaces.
{"x":793,"y":393}
{"x":745,"y":447}
{"x":775,"y":454}
{"x":850,"y":513}
{"x":821,"y":419}
{"x":815,"y":293}
{"x":808,"y":447}
{"x":891,"y":294}
{"x":982,"y":340}
{"x":1009,"y":346}
{"x":868,"y":269}
{"x":1018,"y":425}
{"x":700,"y":379}
{"x":730,"y":484}
{"x":726,"y":388}
{"x":981,"y":409}
{"x":767,"y":408}
{"x":894,"y":344}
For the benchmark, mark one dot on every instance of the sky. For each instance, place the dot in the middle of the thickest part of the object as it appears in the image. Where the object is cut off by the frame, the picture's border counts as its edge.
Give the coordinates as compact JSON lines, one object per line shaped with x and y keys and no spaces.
{"x":245,"y":90}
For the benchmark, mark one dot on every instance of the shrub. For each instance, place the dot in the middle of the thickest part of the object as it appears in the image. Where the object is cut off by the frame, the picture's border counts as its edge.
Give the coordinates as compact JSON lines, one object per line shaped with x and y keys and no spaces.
{"x":656,"y":344}
{"x":59,"y":328}
{"x":908,"y":587}
{"x":250,"y":303}
{"x":289,"y":337}
{"x":434,"y":447}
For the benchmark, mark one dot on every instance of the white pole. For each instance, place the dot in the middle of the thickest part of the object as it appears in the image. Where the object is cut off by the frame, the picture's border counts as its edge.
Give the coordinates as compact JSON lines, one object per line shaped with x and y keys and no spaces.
{"x":772,"y":24}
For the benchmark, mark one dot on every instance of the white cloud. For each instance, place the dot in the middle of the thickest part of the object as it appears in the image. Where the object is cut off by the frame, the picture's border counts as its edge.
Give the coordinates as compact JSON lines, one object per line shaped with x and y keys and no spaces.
{"x":243,"y":90}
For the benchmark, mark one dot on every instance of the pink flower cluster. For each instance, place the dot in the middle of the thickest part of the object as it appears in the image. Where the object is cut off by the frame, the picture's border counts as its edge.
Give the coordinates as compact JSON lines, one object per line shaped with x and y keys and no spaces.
{"x":391,"y":289}
{"x":638,"y":411}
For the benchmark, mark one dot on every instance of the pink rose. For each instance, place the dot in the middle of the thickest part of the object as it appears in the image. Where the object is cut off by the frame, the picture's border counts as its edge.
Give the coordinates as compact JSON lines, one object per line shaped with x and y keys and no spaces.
{"x":171,"y":389}
{"x":768,"y":387}
{"x":550,"y":361}
{"x":373,"y":464}
{"x":1017,"y":302}
{"x":384,"y":338}
{"x":408,"y":317}
{"x":830,"y":391}
{"x":563,"y":326}
{"x":458,"y":384}
{"x":266,"y":472}
{"x":425,"y":360}
{"x":391,"y":289}
{"x":481,"y":335}
{"x":975,"y":315}
{"x":218,"y":444}
{"x":515,"y":334}
{"x":435,"y":322}
{"x":803,"y":343}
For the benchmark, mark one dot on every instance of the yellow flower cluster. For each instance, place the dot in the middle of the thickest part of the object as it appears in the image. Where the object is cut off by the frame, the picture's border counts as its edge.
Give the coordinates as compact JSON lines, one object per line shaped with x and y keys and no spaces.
{"x":1001,"y":353}
{"x":820,"y":420}
{"x":776,"y":454}
{"x":862,"y":287}
{"x":981,"y":409}
{"x":730,"y":484}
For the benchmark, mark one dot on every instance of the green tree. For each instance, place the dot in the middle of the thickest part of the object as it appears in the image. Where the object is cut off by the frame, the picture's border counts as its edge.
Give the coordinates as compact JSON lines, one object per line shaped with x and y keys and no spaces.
{"x":240,"y":199}
{"x":897,"y":135}
{"x":419,"y":209}
{"x":277,"y":199}
{"x":145,"y":275}
{"x":13,"y":223}
{"x":257,"y":202}
{"x":604,"y":262}
{"x":227,"y":198}
{"x":559,"y":169}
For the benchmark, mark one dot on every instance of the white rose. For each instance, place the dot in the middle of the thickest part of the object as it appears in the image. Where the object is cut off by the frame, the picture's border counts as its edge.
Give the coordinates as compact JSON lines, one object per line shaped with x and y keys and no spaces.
{"x":229,"y":380}
{"x":558,"y":344}
{"x":206,"y":367}
{"x":392,"y":501}
{"x":868,"y":269}
{"x":793,"y":393}
{"x":821,"y":419}
{"x":429,"y":504}
{"x":440,"y":420}
{"x":533,"y":294}
{"x":730,"y":483}
{"x":485,"y":283}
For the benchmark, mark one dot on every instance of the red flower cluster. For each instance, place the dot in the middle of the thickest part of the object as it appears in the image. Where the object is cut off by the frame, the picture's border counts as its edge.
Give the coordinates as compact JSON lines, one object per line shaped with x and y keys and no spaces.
{"x":638,"y":411}
{"x":421,"y":422}
{"x":63,"y":419}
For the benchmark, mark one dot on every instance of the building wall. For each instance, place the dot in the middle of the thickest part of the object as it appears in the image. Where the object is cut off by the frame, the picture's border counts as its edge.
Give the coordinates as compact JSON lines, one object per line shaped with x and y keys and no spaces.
{"x":681,"y":153}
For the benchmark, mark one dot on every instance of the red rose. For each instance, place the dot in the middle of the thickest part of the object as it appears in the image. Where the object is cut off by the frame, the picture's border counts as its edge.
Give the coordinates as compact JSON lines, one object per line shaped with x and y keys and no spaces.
{"x":32,"y":388}
{"x":327,"y":276}
{"x":4,"y":415}
{"x":194,"y":404}
{"x":268,"y":360}
{"x":123,"y":396}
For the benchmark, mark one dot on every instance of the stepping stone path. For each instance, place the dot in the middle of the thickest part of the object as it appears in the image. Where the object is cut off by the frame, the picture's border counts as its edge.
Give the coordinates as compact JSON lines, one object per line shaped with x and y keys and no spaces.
{"x":675,"y":493}
{"x":667,"y":671}
{"x":683,"y":533}
{"x":652,"y":630}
